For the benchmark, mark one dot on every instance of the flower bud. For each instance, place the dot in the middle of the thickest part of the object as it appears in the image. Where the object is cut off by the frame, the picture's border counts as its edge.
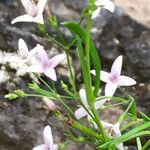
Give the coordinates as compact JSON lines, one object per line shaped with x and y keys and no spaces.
{"x":51,"y":105}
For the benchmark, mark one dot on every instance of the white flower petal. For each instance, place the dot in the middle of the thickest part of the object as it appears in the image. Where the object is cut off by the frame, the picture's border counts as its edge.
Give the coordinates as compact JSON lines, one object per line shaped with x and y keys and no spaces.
{"x":41,"y":53}
{"x":99,"y":103}
{"x":23,"y":18}
{"x":107,"y":4}
{"x":41,"y":5}
{"x":126,"y":81}
{"x":50,"y":73}
{"x":38,"y":19}
{"x":80,"y":113}
{"x":47,"y":135}
{"x":54,"y":61}
{"x":35,"y":68}
{"x":96,"y":13}
{"x":23,"y":49}
{"x":107,"y":125}
{"x":28,"y":5}
{"x":103,"y":75}
{"x":120,"y":146}
{"x":83,"y":97}
{"x":117,"y":66}
{"x":54,"y":147}
{"x":41,"y":147}
{"x":110,"y":88}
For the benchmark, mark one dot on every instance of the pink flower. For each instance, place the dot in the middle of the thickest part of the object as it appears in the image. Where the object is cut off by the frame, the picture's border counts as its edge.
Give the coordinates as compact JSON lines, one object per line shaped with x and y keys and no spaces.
{"x":107,"y":4}
{"x":114,"y":79}
{"x":48,"y":140}
{"x":81,"y":112}
{"x":46,"y":65}
{"x":34,"y":12}
{"x":51,"y":105}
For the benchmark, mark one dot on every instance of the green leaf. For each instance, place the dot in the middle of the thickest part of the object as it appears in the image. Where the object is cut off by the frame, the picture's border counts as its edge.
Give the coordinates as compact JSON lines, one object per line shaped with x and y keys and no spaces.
{"x":136,"y":132}
{"x":133,"y":109}
{"x":77,"y":29}
{"x":146,"y":146}
{"x":86,"y":130}
{"x":145,"y":117}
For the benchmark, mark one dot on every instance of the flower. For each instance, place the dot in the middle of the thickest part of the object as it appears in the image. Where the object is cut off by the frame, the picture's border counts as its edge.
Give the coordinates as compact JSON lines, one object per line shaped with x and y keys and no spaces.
{"x":51,"y":105}
{"x":48,"y":139}
{"x":107,"y":4}
{"x":81,"y":112}
{"x":34,"y":12}
{"x":46,"y":65}
{"x":24,"y":52}
{"x":114,"y":79}
{"x":113,"y":131}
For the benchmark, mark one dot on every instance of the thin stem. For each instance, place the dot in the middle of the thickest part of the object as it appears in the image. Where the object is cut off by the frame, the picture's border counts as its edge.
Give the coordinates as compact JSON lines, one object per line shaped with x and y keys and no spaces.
{"x":72,"y":79}
{"x":138,"y":141}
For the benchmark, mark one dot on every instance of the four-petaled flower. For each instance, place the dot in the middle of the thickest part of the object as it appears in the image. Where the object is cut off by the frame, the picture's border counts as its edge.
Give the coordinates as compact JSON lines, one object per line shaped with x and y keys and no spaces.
{"x":81,"y":112}
{"x":46,"y":65}
{"x":107,"y":4}
{"x":34,"y":12}
{"x":114,"y":79}
{"x":48,"y":140}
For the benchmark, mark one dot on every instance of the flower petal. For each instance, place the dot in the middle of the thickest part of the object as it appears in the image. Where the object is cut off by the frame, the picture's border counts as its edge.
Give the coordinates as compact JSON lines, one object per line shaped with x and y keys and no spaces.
{"x":120,"y":146}
{"x":23,"y":18}
{"x":103,"y":75}
{"x":50,"y":73}
{"x":117,"y":66}
{"x":107,"y":4}
{"x":41,"y":147}
{"x":96,"y":13}
{"x":41,"y":53}
{"x":23,"y":49}
{"x":38,"y":19}
{"x":28,"y":5}
{"x":107,"y":125}
{"x":47,"y":135}
{"x":110,"y":88}
{"x":41,"y":5}
{"x":126,"y":81}
{"x":82,"y":94}
{"x":99,"y":103}
{"x":53,"y":147}
{"x":54,"y":61}
{"x":35,"y":68}
{"x":80,"y":113}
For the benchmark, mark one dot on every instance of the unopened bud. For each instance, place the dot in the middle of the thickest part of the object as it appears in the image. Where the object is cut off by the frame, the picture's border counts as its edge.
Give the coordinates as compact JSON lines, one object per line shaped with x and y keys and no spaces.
{"x":51,"y":105}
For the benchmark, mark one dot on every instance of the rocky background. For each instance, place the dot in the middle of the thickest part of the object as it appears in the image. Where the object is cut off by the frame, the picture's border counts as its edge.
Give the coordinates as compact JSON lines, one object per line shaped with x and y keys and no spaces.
{"x":126,"y":32}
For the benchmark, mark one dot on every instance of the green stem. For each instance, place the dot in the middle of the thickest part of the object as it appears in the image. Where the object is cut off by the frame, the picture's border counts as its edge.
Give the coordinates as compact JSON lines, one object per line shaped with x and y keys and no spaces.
{"x":72,"y":79}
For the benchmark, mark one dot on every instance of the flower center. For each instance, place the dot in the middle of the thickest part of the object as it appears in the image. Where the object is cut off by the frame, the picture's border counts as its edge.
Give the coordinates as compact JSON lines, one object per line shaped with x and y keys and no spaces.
{"x":113,"y":78}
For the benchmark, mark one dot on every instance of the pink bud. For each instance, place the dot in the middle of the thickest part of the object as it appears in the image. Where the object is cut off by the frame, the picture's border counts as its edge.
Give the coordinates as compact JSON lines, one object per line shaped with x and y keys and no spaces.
{"x":51,"y":105}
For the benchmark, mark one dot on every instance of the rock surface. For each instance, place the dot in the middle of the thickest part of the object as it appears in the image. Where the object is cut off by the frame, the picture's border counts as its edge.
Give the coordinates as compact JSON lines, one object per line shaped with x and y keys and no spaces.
{"x":22,"y":121}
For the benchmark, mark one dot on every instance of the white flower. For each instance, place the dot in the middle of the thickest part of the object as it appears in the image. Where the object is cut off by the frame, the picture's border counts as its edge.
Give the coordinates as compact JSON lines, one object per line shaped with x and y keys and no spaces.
{"x":34,"y":12}
{"x":81,"y":112}
{"x":107,"y":4}
{"x":113,"y":131}
{"x":48,"y":140}
{"x":24,"y":52}
{"x":114,"y":79}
